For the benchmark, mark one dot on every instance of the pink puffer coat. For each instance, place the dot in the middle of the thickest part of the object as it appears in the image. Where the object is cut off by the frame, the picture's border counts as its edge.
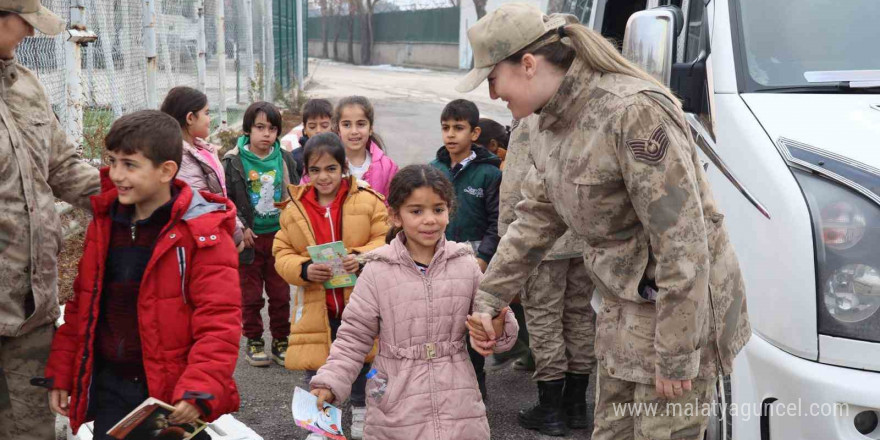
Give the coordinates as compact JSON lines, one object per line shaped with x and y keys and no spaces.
{"x":431,"y":391}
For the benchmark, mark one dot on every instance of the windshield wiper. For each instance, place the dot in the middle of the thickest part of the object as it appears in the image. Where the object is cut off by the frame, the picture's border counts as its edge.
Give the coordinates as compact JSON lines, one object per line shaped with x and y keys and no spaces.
{"x":840,"y":87}
{"x":856,"y":79}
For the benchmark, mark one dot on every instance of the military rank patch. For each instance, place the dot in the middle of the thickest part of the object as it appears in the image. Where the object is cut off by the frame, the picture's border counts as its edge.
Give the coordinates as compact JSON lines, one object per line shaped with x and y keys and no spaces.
{"x":651,"y":150}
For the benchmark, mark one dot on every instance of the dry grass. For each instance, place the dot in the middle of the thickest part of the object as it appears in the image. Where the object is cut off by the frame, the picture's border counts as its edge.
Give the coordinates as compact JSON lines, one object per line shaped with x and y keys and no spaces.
{"x":71,"y":252}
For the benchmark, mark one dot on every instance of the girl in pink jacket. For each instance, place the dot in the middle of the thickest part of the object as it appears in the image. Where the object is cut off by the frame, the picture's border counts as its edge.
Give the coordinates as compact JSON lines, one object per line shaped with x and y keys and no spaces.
{"x":414,"y":295}
{"x":364,"y":150}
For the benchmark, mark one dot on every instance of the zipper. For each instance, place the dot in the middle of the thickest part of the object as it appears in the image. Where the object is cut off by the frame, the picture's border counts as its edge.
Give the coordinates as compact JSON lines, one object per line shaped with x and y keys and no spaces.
{"x":329,"y":218}
{"x":715,"y":331}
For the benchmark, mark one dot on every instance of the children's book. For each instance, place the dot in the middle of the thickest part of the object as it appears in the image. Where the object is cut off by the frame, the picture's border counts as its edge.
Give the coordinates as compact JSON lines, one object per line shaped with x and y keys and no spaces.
{"x":326,"y":422}
{"x":332,"y":255}
{"x":150,"y":421}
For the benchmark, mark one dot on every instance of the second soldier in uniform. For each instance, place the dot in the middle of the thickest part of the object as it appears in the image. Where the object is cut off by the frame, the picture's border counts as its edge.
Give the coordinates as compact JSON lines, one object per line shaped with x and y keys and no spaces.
{"x":614,"y":164}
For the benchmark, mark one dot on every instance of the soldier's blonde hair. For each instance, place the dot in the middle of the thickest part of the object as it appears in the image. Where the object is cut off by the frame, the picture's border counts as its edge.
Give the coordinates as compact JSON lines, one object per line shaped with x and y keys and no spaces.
{"x":596,"y":52}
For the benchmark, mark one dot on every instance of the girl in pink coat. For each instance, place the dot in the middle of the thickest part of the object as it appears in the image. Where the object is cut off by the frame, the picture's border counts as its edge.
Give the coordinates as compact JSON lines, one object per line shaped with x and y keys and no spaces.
{"x":415,"y":295}
{"x":353,"y":122}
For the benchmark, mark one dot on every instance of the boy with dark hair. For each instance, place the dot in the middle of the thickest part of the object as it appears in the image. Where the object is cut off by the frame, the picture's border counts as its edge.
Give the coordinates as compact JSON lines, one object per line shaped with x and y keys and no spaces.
{"x":476,"y":177}
{"x":152,"y":314}
{"x":317,"y":115}
{"x":258,"y":172}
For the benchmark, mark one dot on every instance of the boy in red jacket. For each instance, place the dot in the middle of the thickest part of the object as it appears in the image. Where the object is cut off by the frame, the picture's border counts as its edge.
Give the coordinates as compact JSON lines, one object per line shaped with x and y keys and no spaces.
{"x":156,"y":310}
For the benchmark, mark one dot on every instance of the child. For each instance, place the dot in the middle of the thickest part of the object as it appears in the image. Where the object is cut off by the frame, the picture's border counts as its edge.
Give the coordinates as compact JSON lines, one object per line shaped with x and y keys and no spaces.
{"x":257,"y":171}
{"x":200,"y":166}
{"x":494,"y":137}
{"x":415,"y":295}
{"x":476,"y":178}
{"x":353,"y":121}
{"x":331,"y":208}
{"x":316,"y":117}
{"x":155,"y":312}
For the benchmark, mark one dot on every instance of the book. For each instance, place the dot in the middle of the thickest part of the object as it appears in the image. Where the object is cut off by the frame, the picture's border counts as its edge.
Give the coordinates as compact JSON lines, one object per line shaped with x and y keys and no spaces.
{"x":332,"y":255}
{"x":326,"y":422}
{"x":150,"y":421}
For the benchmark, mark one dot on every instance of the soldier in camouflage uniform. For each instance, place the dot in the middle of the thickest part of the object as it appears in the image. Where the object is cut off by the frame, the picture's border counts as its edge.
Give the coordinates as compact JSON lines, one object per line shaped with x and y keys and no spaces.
{"x":37,"y":163}
{"x":614,"y":163}
{"x":556,"y":300}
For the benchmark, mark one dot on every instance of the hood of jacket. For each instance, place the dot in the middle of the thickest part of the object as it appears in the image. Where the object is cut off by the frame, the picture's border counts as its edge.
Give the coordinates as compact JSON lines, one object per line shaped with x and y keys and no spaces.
{"x":397,"y":253}
{"x":203,"y":212}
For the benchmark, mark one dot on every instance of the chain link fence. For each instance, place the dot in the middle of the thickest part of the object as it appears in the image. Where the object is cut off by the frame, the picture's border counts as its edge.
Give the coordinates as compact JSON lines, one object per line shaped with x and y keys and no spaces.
{"x":112,"y":72}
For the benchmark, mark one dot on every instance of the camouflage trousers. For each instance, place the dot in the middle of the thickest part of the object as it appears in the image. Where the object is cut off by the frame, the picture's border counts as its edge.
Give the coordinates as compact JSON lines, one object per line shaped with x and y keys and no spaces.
{"x":561,"y":322}
{"x":631,"y":410}
{"x":24,"y":408}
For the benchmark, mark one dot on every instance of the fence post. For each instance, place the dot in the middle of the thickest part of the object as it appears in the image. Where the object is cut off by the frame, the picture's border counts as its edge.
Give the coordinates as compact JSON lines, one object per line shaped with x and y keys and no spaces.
{"x":268,"y":54}
{"x":73,"y":69}
{"x":221,"y":58}
{"x":109,"y":66}
{"x":300,"y":56}
{"x":202,"y":48}
{"x":249,"y":45}
{"x":150,"y":52}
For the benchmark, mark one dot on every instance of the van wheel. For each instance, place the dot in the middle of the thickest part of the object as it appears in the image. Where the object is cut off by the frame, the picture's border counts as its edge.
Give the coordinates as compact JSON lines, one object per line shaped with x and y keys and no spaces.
{"x":716,"y":431}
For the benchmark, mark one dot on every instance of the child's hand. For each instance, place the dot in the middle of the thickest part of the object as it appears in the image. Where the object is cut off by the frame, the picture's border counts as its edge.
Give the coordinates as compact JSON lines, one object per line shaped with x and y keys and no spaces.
{"x":323,"y":395}
{"x":58,"y":401}
{"x":184,"y":412}
{"x":350,"y":264}
{"x":483,"y":264}
{"x":319,"y":273}
{"x":248,"y":238}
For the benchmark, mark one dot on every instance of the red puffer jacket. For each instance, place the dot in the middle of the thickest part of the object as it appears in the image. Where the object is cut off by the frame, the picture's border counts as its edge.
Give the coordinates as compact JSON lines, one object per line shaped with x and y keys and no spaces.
{"x":189,"y":309}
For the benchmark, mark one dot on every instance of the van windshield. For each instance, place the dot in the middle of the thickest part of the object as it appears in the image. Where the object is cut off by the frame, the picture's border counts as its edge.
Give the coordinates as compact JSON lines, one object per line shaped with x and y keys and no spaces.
{"x":782,"y":39}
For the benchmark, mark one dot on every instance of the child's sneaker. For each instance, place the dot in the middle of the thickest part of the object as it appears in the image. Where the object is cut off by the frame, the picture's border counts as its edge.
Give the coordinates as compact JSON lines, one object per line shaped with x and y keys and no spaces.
{"x":256,"y":353}
{"x":279,"y":350}
{"x":358,"y":417}
{"x":315,"y":437}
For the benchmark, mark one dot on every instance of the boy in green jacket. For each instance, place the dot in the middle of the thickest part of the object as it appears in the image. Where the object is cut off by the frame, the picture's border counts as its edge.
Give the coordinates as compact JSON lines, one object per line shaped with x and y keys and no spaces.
{"x":476,"y":177}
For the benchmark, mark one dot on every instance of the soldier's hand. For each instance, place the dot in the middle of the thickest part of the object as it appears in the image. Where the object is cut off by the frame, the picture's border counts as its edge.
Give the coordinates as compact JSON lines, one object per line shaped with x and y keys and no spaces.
{"x":670,"y":388}
{"x":480,"y":347}
{"x":498,"y":321}
{"x":482,"y":331}
{"x":58,"y":401}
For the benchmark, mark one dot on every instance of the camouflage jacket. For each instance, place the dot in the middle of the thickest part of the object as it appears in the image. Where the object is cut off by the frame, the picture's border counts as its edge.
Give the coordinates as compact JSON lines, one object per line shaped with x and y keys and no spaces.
{"x":615,"y":164}
{"x":517,"y":165}
{"x":38,"y":163}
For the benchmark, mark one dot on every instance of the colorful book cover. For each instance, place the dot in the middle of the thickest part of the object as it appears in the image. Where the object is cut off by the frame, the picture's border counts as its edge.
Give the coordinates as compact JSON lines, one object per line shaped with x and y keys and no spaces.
{"x":327,"y":422}
{"x":332,"y":255}
{"x":150,"y":421}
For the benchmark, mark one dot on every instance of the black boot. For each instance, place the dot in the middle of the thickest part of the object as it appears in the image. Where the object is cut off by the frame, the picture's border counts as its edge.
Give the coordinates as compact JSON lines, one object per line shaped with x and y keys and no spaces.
{"x":547,"y":416}
{"x":575,"y":400}
{"x":481,"y":381}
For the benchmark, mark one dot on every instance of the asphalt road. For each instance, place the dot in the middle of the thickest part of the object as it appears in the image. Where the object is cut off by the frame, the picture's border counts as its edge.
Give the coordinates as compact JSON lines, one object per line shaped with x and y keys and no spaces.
{"x":408,"y":103}
{"x":266,"y":394}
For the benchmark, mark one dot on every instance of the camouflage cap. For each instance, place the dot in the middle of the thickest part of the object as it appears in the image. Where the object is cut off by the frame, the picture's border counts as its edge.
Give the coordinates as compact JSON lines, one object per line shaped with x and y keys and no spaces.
{"x":36,"y":14}
{"x":502,"y":33}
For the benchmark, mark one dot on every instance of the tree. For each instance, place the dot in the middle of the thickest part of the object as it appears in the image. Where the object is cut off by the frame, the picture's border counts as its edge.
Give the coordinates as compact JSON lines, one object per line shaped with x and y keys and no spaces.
{"x":455,"y":3}
{"x":480,"y":6}
{"x":367,"y":32}
{"x":354,"y":7}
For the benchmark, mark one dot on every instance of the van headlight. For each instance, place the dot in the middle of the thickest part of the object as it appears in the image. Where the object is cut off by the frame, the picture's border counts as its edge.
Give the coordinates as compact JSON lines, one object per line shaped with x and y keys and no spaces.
{"x":845,"y":213}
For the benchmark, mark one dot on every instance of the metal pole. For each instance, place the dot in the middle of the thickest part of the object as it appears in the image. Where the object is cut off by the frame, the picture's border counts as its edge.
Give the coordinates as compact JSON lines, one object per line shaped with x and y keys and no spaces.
{"x":237,"y":75}
{"x":202,"y":48}
{"x":269,"y":54}
{"x":300,"y":55}
{"x":74,"y":77}
{"x":248,"y":9}
{"x":150,"y":53}
{"x":221,"y":58}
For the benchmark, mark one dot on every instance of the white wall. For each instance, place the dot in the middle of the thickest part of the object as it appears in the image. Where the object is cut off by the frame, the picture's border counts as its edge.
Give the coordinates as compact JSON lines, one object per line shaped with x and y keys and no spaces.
{"x":469,"y":17}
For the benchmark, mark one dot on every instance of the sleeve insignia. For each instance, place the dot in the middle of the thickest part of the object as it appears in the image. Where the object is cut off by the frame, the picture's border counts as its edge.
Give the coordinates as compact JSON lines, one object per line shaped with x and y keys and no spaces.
{"x":651,"y":150}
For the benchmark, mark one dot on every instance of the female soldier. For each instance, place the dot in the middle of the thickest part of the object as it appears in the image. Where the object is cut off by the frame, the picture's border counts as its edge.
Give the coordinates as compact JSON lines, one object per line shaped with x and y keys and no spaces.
{"x":614,"y":163}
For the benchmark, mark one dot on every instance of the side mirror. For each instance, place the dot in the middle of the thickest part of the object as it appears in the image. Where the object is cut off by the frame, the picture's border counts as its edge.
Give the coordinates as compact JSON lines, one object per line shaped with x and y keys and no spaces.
{"x":649,"y":41}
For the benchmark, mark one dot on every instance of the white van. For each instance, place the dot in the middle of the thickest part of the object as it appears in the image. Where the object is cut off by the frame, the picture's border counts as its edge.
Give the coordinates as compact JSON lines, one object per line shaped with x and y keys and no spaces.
{"x":782,"y":98}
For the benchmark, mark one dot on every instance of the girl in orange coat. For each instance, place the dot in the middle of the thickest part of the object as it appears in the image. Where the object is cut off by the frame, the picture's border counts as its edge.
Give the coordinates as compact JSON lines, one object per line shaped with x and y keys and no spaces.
{"x":332,"y":207}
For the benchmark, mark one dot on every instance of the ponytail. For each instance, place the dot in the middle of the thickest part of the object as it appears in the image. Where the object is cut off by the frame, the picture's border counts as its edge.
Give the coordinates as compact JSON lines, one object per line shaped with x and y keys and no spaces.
{"x":392,"y":233}
{"x":562,"y":45}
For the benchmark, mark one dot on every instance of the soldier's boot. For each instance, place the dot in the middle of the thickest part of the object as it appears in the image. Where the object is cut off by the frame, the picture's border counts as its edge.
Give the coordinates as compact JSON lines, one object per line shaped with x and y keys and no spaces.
{"x":574,"y":400}
{"x":547,"y":416}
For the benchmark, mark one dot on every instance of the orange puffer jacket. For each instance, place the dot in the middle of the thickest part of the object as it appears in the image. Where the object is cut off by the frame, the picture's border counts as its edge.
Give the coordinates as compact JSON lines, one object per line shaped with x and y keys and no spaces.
{"x":364,"y":225}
